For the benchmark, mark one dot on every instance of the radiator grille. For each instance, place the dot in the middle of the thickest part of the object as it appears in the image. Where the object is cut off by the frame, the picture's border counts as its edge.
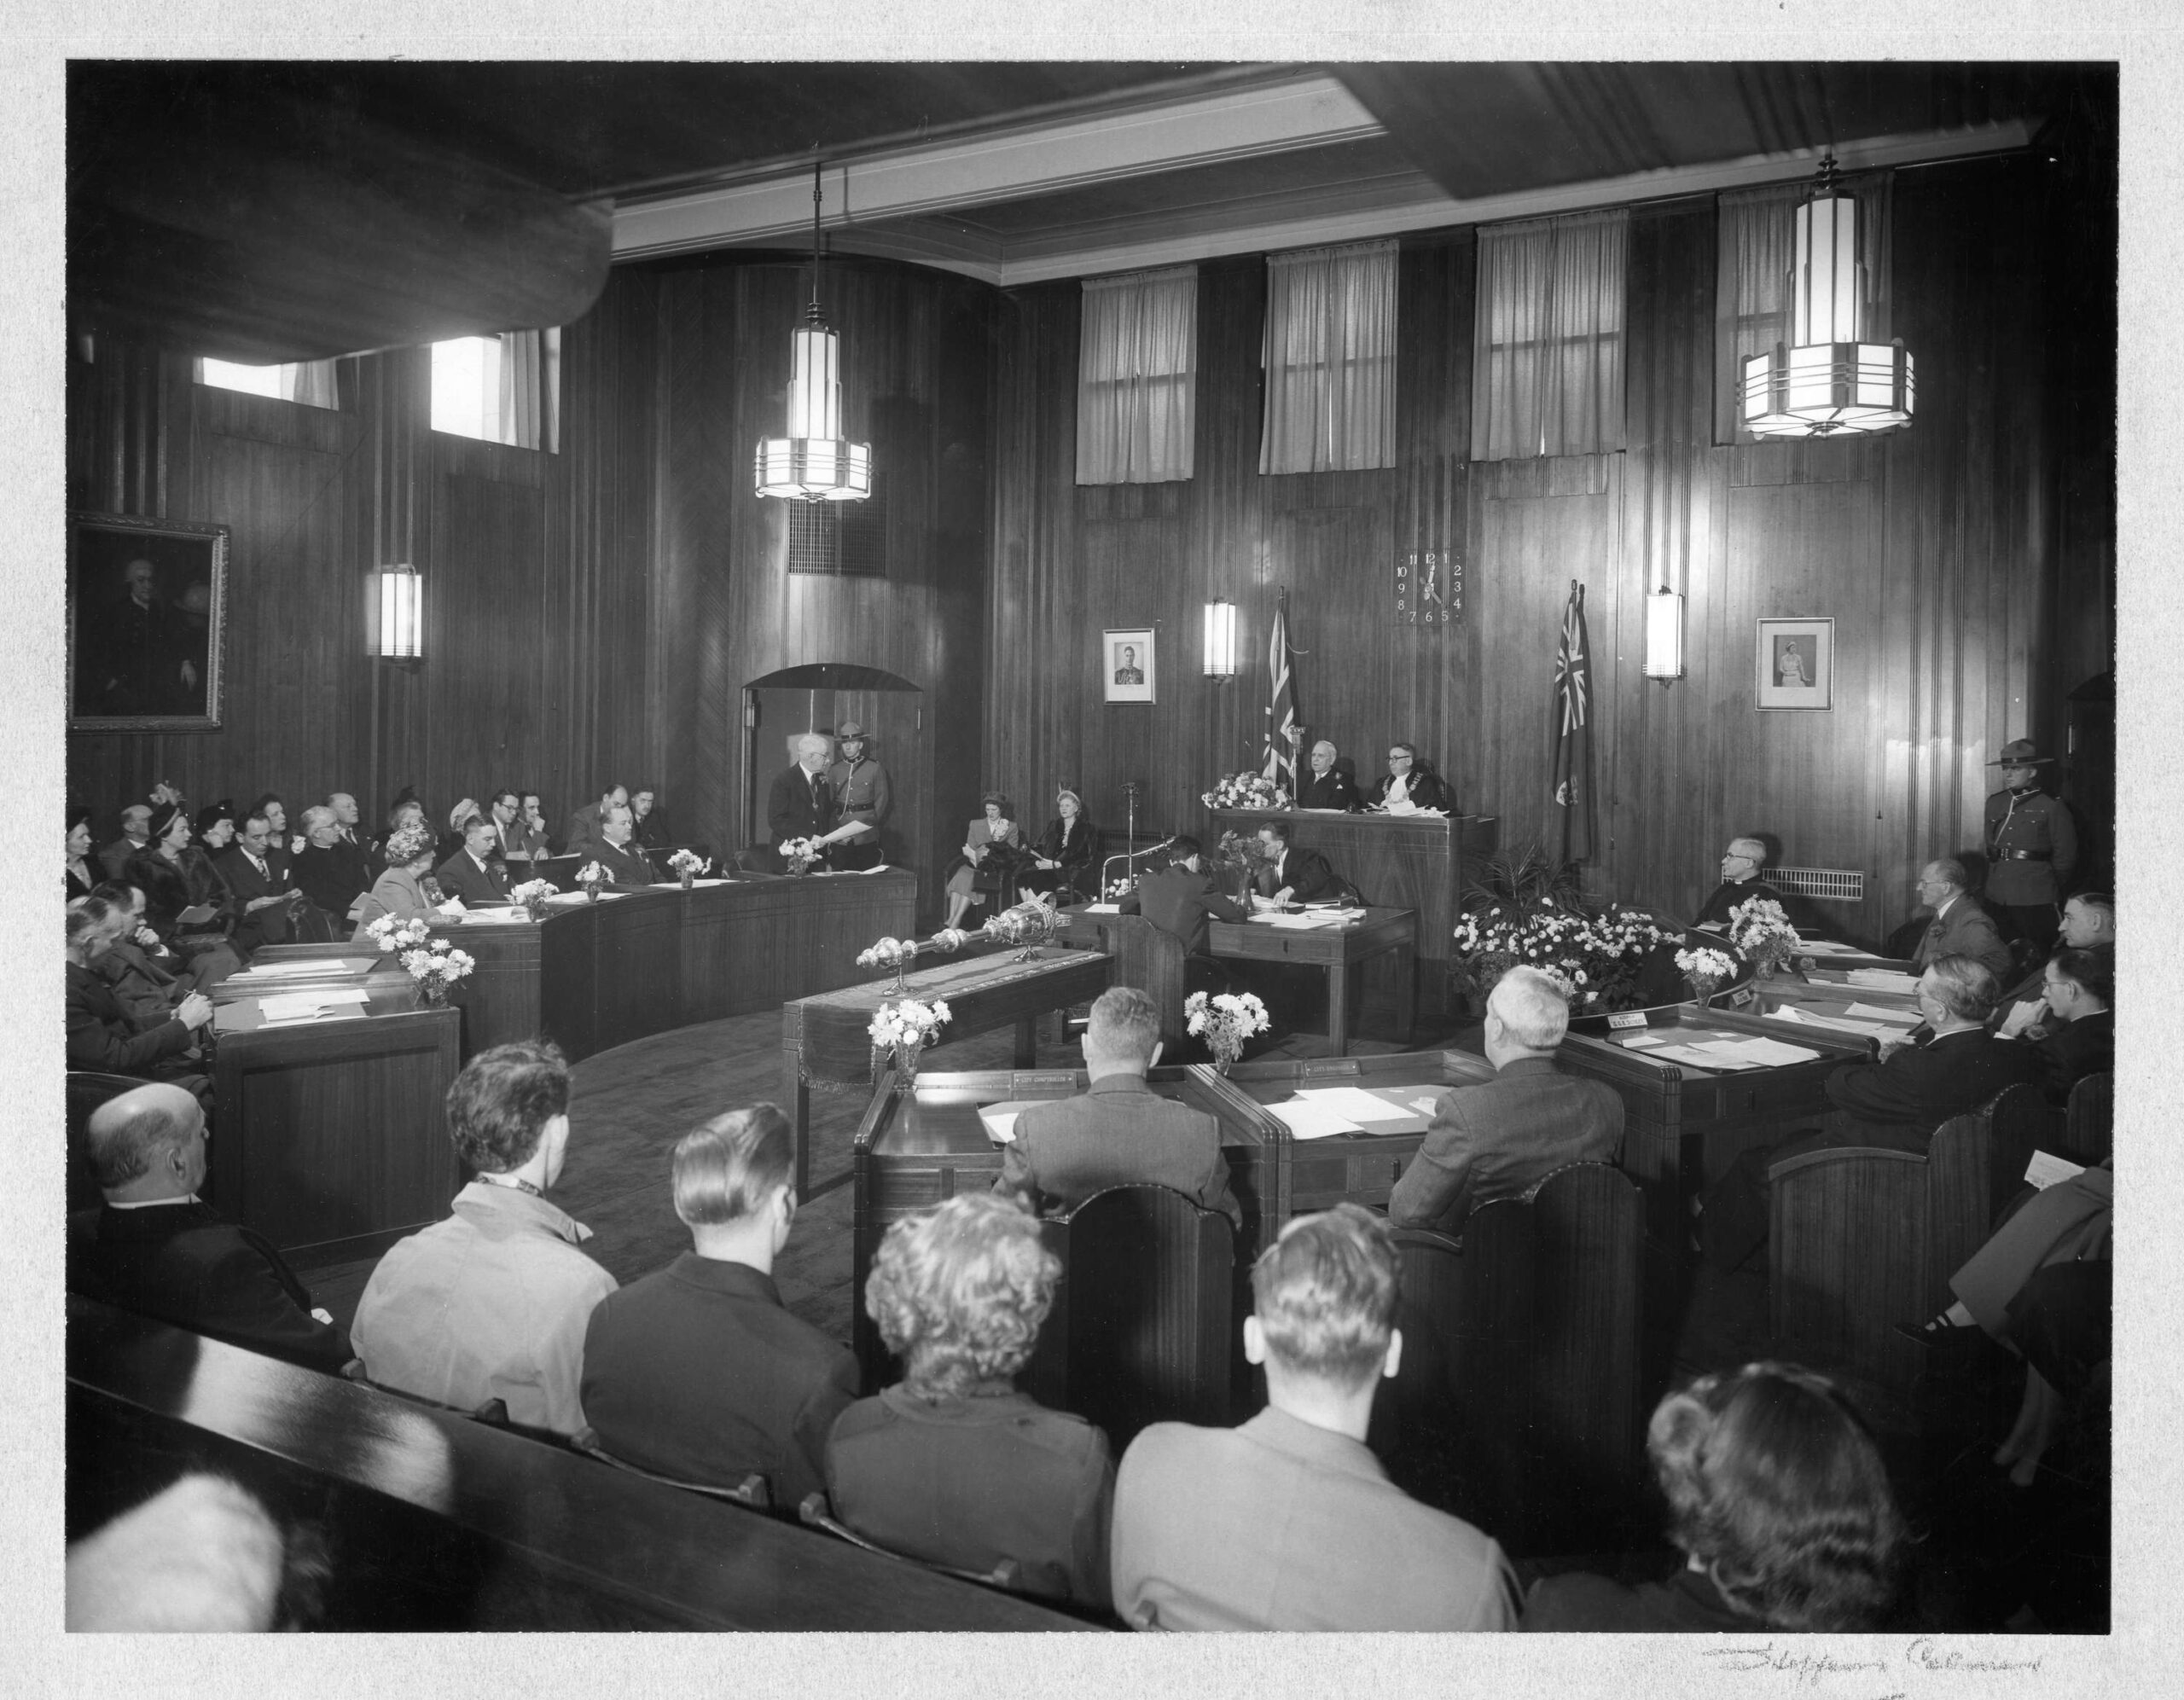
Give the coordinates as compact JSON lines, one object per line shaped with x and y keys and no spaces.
{"x":1834,"y":885}
{"x":841,"y":539}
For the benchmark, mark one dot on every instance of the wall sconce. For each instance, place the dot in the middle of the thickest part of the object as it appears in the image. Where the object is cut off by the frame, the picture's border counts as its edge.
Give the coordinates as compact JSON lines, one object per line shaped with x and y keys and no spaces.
{"x":401,"y":635}
{"x":1664,"y":634}
{"x":1220,"y":640}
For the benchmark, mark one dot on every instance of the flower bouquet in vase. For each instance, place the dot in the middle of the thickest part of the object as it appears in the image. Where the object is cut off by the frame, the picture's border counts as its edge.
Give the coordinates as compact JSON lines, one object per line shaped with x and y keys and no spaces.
{"x":392,"y":932}
{"x":1759,"y":928}
{"x":1224,"y":1020}
{"x":891,"y":953}
{"x":1707,"y":969}
{"x":531,"y":897}
{"x":801,"y":853}
{"x":1117,"y":889}
{"x":899,"y":1033}
{"x":688,"y":865}
{"x":591,"y":876}
{"x":436,"y":967}
{"x":1245,"y":790}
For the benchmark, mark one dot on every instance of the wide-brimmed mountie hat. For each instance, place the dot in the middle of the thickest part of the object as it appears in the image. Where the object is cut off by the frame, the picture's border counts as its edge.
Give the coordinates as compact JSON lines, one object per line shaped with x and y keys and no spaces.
{"x":2020,"y":752}
{"x":851,"y":729}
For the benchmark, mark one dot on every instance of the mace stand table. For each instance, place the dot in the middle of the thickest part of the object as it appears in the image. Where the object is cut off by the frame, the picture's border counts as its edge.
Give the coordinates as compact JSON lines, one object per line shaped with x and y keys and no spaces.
{"x":824,"y":1042}
{"x":1338,"y":950}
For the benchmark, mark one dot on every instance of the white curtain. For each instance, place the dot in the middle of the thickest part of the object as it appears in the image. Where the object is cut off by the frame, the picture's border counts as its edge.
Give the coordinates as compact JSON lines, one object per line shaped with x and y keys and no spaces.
{"x":1755,"y":248}
{"x":1330,"y":360}
{"x":1137,"y":377}
{"x":310,"y":381}
{"x":1547,"y":370}
{"x":530,"y":400}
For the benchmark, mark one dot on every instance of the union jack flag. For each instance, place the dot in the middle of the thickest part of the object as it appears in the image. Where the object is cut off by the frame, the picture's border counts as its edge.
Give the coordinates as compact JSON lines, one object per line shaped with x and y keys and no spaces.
{"x":1282,"y":731}
{"x":1572,"y":777}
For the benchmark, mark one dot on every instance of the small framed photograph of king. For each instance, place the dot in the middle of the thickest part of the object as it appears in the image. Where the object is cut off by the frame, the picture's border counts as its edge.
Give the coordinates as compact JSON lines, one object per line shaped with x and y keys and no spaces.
{"x":1126,"y":664}
{"x":147,"y":613}
{"x":1796,"y":664}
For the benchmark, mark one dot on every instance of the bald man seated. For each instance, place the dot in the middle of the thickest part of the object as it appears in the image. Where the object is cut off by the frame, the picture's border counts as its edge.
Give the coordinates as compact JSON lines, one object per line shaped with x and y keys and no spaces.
{"x":154,"y":1247}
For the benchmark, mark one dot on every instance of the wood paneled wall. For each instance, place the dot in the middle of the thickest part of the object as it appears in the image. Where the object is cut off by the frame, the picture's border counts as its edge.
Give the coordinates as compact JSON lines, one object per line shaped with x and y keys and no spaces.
{"x":1939,"y":552}
{"x":591,"y":614}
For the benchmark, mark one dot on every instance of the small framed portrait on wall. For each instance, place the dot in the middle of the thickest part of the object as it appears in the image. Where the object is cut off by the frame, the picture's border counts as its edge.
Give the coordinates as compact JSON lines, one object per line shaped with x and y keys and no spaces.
{"x":1796,"y":664}
{"x":1126,"y":664}
{"x":147,"y":602}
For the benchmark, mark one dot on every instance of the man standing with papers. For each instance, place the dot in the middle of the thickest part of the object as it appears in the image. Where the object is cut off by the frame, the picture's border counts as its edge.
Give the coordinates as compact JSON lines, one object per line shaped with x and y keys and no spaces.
{"x":1495,"y":1140}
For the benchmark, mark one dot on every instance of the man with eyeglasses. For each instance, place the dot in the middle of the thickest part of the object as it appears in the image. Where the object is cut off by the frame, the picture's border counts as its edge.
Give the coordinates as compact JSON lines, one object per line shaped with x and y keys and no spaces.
{"x":1410,"y":786}
{"x":1740,"y":882}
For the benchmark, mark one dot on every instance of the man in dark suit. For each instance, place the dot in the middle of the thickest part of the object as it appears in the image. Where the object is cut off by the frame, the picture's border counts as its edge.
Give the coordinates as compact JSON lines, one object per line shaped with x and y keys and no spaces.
{"x":1289,"y":1522}
{"x":154,"y":1248}
{"x":614,"y":851}
{"x":1498,"y":1139}
{"x":268,"y":895}
{"x":1117,"y":1131}
{"x":1330,"y":785}
{"x":102,"y":1036}
{"x":585,"y":823}
{"x":1292,"y":874}
{"x":136,"y":835}
{"x":1960,"y":926}
{"x":697,"y":1370}
{"x":1181,"y":896}
{"x":2071,"y":1028}
{"x":801,"y":804}
{"x":330,"y":870}
{"x":1896,"y":1103}
{"x":471,"y":874}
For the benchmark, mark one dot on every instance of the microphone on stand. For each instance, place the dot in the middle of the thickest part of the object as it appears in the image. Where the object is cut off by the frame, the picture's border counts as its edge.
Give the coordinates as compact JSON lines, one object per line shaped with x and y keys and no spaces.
{"x":1130,"y":856}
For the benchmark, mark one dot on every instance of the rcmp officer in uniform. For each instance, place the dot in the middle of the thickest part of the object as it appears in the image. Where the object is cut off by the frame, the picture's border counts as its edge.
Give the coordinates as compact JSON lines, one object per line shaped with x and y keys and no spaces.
{"x":2031,"y":846}
{"x":860,"y":793}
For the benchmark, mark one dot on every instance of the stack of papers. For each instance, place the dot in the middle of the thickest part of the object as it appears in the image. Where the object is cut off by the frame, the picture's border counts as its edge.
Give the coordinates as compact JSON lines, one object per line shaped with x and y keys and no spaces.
{"x":1729,"y":1056}
{"x":285,"y":1009}
{"x":1899,"y":1017}
{"x":1309,"y":920}
{"x":1885,"y":980}
{"x":1872,"y":1030}
{"x":492,"y":917}
{"x":320,"y":967}
{"x":1308,"y":1121}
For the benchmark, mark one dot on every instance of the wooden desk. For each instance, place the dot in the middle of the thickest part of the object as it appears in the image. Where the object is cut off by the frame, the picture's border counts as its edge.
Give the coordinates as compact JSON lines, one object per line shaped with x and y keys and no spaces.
{"x":592,"y":976}
{"x":438,"y":1522}
{"x":913,"y":1150}
{"x":1409,"y":862}
{"x":824,"y":1041}
{"x":330,"y":1138}
{"x":1337,"y":950}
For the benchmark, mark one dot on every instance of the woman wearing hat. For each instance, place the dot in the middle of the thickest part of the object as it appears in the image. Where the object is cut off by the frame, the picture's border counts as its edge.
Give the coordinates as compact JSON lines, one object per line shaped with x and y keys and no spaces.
{"x":2032,"y":845}
{"x":1065,"y":860}
{"x":402,"y":890}
{"x":990,"y":850}
{"x":178,"y":879}
{"x":860,"y":795}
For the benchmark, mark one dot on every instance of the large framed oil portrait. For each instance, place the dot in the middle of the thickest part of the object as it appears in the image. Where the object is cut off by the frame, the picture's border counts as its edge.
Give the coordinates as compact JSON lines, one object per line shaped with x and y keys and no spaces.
{"x":1126,"y":664}
{"x":147,"y":602}
{"x":1795,"y":666}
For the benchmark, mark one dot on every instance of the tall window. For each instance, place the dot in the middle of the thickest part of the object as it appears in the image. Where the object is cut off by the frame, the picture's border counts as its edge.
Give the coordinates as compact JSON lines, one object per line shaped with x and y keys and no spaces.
{"x":309,"y":382}
{"x":1330,"y":360}
{"x":1751,"y":306}
{"x":505,"y":388}
{"x":1137,"y":377}
{"x":1547,"y":367}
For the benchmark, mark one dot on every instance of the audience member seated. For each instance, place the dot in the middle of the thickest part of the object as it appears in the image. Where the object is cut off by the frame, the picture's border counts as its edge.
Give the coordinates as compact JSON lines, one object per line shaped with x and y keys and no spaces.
{"x":1779,"y":1503}
{"x":1740,"y":884}
{"x":2061,"y":1228}
{"x":136,"y":835}
{"x":102,"y":1037}
{"x":1960,"y":926}
{"x":584,"y":823}
{"x":525,"y":836}
{"x":1410,"y":784}
{"x":146,"y":980}
{"x":330,"y":870}
{"x":77,"y":863}
{"x":202,"y":1555}
{"x":1179,"y":899}
{"x":992,"y":849}
{"x":1293,"y":874}
{"x":1328,"y":785}
{"x":1896,"y":1103}
{"x":2089,"y":924}
{"x":648,"y":827}
{"x":697,"y":1371}
{"x":279,"y":847}
{"x":352,"y":834}
{"x":491,"y":1304}
{"x":262,"y":887}
{"x":2072,"y":1028}
{"x":952,"y":1464}
{"x":471,"y":874}
{"x":404,"y":811}
{"x":399,"y":891}
{"x":1500,"y":1138}
{"x":624,"y":864}
{"x":1289,"y":1522}
{"x":152,"y":1247}
{"x":185,"y":900}
{"x":458,"y":827}
{"x":1118,"y":1131}
{"x":1066,"y":860}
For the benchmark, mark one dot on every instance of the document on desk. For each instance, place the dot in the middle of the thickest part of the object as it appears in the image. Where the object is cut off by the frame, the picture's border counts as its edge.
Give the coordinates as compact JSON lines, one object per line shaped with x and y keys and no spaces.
{"x":279,"y":1009}
{"x":1308,"y":1121}
{"x":1884,"y":980}
{"x":1900,"y":1018}
{"x":1000,"y":1120}
{"x":1103,"y":908}
{"x":491,"y":916}
{"x":1356,"y":1103}
{"x":1827,"y":947}
{"x":1730,"y":1056}
{"x":321,"y":967}
{"x":1872,"y":1030}
{"x":1308,"y":921}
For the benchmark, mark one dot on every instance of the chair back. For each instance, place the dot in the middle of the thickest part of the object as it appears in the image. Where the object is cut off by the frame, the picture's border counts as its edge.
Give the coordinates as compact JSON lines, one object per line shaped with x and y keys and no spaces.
{"x":87,"y":1090}
{"x":753,"y":1491}
{"x":559,"y":871}
{"x":2089,"y":1135}
{"x":1150,"y":958}
{"x":814,"y":1513}
{"x":1141,"y":1320}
